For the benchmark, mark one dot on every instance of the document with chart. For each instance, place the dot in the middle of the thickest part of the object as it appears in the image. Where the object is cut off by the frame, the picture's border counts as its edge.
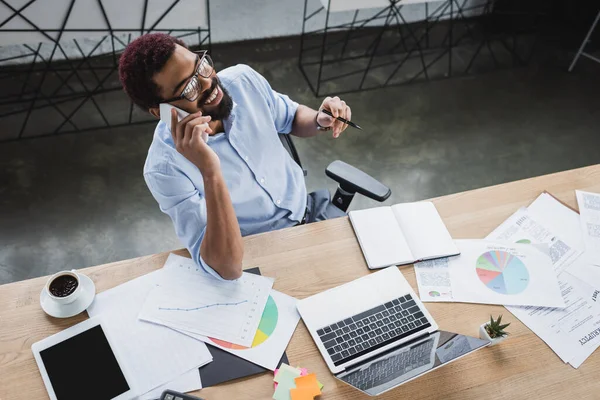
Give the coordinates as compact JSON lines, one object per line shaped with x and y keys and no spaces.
{"x":571,"y":332}
{"x":589,"y":210}
{"x":201,"y":304}
{"x":494,"y":272}
{"x":433,"y":280}
{"x":277,"y":325}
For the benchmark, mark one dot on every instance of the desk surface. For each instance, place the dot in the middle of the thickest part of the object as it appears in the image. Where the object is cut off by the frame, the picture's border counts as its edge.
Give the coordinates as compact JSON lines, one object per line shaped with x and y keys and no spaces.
{"x":309,"y":259}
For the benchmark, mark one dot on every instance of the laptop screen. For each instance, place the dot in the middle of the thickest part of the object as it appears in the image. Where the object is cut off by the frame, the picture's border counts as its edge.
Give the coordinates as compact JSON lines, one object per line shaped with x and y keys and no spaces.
{"x":408,"y":361}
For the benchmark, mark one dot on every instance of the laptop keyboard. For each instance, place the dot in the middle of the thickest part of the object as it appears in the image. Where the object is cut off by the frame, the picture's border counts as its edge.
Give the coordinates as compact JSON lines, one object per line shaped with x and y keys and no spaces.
{"x":358,"y":335}
{"x":386,"y":370}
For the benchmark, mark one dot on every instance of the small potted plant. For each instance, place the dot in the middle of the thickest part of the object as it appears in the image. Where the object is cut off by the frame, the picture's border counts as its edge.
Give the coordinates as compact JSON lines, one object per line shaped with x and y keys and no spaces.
{"x":493,"y":331}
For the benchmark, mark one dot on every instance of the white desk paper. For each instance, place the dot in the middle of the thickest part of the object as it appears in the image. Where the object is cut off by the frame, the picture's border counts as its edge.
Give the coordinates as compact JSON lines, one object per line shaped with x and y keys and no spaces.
{"x":187,"y":382}
{"x":589,"y":212}
{"x":201,"y":304}
{"x":494,"y":272}
{"x":155,"y":354}
{"x":433,"y":280}
{"x":277,"y":325}
{"x":569,"y":331}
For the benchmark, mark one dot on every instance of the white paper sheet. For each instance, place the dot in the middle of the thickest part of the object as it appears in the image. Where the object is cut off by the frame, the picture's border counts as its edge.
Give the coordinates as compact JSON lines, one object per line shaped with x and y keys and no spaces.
{"x":275,"y":331}
{"x":521,"y":227}
{"x":278,"y":322}
{"x":557,"y":218}
{"x":567,"y":331}
{"x":154,"y":354}
{"x":204,"y":305}
{"x":433,"y":280}
{"x":589,"y":212}
{"x":495,"y":272}
{"x":187,"y":382}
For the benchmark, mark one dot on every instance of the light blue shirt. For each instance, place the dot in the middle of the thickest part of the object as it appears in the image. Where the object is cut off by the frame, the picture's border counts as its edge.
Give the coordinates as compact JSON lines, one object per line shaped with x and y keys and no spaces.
{"x":266,"y":185}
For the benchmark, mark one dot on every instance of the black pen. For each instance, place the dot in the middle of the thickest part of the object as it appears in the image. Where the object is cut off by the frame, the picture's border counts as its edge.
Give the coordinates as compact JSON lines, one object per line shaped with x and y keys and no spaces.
{"x":352,"y":124}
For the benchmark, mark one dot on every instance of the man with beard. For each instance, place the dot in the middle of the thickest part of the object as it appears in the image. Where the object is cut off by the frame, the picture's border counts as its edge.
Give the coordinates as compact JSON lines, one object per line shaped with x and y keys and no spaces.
{"x":238,"y":181}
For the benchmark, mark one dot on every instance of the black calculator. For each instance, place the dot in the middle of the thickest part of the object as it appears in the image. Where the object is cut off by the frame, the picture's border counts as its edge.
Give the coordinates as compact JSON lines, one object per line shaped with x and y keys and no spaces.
{"x":173,"y":395}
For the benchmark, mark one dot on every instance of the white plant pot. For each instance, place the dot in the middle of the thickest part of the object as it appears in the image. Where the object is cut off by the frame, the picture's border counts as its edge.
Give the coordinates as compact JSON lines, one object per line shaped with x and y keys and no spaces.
{"x":485,"y":336}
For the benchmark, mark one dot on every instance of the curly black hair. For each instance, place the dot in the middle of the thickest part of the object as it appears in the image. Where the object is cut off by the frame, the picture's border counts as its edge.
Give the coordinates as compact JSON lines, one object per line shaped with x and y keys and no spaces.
{"x":143,"y":58}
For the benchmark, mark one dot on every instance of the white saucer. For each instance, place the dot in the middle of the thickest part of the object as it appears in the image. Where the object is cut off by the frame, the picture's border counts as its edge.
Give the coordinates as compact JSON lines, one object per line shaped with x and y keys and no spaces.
{"x":56,"y":310}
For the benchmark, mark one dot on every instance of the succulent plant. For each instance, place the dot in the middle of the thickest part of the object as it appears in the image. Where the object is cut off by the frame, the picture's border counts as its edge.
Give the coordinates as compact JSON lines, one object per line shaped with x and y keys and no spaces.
{"x":495,"y":329}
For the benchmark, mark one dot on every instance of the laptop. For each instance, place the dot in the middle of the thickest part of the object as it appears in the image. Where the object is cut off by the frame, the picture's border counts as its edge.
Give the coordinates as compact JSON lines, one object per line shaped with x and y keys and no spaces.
{"x":375,"y":334}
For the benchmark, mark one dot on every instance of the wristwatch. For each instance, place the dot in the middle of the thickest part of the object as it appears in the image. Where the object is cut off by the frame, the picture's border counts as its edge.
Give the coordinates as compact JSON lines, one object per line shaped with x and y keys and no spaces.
{"x":319,"y":127}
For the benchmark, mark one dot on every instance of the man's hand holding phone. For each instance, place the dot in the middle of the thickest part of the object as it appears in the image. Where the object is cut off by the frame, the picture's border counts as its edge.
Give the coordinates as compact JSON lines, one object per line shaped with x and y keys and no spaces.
{"x":190,"y":136}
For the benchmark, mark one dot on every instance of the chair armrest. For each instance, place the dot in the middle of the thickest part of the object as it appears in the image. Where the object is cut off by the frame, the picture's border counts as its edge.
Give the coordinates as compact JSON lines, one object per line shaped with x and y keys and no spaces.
{"x":353,"y":180}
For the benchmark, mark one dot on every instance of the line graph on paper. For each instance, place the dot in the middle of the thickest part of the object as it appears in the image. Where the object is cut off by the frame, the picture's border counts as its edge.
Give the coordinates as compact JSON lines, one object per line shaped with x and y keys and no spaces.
{"x":206,"y":306}
{"x":200,"y":304}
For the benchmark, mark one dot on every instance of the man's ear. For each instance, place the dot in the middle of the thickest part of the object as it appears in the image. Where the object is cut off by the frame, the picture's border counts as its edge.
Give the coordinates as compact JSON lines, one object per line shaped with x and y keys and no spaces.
{"x":154,"y":111}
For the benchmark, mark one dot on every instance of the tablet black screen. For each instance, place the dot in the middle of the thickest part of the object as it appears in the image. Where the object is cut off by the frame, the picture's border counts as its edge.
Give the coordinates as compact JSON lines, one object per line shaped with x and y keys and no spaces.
{"x":84,"y":367}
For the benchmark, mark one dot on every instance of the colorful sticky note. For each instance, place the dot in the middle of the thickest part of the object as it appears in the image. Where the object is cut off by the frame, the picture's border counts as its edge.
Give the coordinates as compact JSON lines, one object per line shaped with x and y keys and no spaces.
{"x":304,"y":371}
{"x":283,"y":390}
{"x":285,"y":367}
{"x":308,"y":383}
{"x":294,"y":371}
{"x":285,"y":381}
{"x":301,"y":394}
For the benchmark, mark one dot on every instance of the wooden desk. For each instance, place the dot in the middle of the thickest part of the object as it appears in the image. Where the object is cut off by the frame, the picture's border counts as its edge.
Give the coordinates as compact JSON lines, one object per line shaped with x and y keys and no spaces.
{"x":309,"y":259}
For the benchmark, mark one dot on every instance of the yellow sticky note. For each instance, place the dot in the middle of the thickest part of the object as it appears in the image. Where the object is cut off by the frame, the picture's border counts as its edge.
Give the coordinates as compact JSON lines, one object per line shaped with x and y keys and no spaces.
{"x":308,"y":382}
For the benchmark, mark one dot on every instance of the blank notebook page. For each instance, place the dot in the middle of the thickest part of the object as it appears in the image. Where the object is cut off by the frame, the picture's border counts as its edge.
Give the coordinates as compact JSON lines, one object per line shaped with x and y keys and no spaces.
{"x":424,"y":230}
{"x":380,"y":237}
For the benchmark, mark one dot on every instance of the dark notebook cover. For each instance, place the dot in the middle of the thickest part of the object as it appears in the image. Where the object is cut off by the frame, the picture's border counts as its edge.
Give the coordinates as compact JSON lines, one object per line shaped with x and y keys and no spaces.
{"x":226,"y":367}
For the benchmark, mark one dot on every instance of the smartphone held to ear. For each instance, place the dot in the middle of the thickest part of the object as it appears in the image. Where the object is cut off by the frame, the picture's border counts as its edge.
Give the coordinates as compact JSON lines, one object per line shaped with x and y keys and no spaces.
{"x":165,"y":113}
{"x":165,"y":116}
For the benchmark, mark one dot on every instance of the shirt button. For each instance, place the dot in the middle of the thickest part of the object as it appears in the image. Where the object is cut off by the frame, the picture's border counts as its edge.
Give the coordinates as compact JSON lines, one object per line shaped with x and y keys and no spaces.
{"x":262,"y":180}
{"x":278,"y":202}
{"x":246,"y":158}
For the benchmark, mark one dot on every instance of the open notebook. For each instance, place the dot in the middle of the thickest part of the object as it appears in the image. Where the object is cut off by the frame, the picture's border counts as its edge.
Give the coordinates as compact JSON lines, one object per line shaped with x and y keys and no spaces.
{"x":402,"y":234}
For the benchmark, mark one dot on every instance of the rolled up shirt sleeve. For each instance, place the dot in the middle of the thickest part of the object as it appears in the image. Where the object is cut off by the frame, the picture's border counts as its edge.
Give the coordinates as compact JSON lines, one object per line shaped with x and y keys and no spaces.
{"x":180,"y":200}
{"x":283,"y":109}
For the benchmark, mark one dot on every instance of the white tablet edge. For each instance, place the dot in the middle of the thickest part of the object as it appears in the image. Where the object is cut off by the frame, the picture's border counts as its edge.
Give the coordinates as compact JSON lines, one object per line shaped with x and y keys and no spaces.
{"x":75,"y":330}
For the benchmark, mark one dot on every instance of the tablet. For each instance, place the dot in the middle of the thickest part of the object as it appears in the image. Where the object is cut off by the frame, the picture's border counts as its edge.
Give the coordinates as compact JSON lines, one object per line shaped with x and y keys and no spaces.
{"x":80,"y":363}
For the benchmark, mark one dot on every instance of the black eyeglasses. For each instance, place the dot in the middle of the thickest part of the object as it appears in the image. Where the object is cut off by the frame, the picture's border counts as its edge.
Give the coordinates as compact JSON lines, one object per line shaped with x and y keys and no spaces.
{"x":204,"y":68}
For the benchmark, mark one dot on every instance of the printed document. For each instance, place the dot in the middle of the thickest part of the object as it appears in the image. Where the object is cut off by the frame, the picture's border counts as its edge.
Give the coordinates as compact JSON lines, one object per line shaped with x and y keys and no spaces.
{"x":589,"y":212}
{"x":201,"y":304}
{"x":572,"y":332}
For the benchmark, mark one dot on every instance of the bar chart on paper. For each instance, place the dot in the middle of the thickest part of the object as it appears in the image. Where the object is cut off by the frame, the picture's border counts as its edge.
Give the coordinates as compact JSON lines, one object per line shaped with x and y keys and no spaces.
{"x":229,"y":311}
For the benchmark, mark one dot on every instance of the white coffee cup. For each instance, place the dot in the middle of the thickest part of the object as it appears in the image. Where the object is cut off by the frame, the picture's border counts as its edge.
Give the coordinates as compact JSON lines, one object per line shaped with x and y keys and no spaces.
{"x":72,"y":296}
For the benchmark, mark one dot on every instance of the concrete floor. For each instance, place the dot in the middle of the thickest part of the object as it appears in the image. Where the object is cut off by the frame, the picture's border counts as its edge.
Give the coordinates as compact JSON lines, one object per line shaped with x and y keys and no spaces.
{"x":79,"y":200}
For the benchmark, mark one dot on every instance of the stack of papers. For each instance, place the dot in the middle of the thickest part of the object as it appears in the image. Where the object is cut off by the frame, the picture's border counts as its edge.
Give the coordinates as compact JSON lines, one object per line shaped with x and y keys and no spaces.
{"x":162,"y":320}
{"x":571,"y":241}
{"x":195,"y":302}
{"x":589,"y":211}
{"x":155,"y":354}
{"x":574,"y":332}
{"x":295,"y":384}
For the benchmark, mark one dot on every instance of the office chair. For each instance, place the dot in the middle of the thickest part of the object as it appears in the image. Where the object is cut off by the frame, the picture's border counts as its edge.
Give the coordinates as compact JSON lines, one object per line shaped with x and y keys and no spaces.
{"x":350,"y":180}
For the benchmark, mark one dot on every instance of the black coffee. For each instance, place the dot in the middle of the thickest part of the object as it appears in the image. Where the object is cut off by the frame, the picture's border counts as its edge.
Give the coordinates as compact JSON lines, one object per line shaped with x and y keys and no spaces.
{"x":63,"y":285}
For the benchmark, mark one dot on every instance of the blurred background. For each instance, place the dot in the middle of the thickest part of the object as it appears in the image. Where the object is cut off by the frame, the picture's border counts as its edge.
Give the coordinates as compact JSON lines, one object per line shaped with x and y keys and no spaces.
{"x":452,"y":95}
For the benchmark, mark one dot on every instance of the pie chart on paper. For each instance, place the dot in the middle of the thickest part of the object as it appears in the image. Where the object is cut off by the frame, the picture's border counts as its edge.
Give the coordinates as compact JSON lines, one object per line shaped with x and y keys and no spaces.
{"x":266,"y":327}
{"x":502,"y":272}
